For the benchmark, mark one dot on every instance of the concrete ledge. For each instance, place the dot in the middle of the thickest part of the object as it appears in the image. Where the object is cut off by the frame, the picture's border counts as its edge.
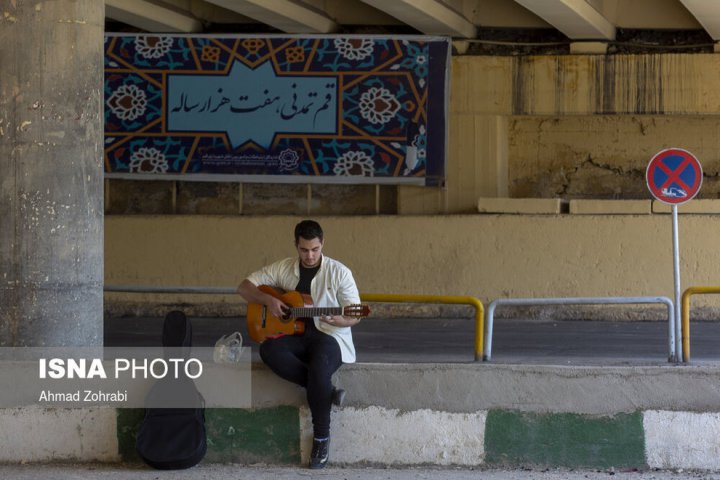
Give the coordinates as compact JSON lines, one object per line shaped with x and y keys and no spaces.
{"x":610,"y":207}
{"x":471,"y":387}
{"x":539,"y":206}
{"x":590,"y":390}
{"x":697,"y":206}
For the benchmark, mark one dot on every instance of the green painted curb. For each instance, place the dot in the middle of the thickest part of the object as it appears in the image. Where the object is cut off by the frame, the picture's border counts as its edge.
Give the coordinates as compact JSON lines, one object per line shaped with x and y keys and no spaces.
{"x":128,"y":423}
{"x":270,"y":435}
{"x":564,"y":439}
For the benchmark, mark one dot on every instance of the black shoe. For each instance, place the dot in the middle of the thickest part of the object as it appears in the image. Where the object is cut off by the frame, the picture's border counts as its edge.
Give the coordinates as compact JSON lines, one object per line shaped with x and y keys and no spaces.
{"x":320,"y":453}
{"x":338,"y":396}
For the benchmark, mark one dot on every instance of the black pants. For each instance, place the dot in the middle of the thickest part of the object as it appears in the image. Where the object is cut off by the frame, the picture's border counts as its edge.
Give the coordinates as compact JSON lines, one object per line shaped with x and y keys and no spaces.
{"x":308,"y":360}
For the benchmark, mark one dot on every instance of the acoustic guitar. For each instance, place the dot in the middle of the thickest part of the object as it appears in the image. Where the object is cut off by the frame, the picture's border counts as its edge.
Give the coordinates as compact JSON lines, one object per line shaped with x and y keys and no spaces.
{"x":262,"y":324}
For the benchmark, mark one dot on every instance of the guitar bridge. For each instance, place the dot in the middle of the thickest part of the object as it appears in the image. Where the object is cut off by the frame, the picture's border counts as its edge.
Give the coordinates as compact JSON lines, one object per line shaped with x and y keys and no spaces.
{"x":264,"y":316}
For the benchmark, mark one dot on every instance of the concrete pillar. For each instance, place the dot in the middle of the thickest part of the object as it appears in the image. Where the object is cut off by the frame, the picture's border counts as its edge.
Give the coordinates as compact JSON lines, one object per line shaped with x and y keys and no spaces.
{"x":51,"y":138}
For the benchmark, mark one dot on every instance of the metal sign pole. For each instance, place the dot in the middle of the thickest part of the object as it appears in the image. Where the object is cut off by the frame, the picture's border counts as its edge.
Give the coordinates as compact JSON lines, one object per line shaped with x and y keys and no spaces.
{"x":676,"y":265}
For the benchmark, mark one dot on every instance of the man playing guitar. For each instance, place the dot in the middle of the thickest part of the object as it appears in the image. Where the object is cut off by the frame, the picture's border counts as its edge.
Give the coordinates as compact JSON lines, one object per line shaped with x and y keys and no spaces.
{"x":309,"y":359}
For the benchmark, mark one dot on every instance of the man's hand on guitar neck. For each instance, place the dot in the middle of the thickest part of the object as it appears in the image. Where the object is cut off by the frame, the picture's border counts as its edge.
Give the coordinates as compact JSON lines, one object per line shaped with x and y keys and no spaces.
{"x":340,"y":321}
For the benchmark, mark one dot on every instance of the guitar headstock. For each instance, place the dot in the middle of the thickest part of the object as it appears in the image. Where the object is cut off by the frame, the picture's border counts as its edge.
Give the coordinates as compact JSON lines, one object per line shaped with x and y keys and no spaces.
{"x":356,"y":310}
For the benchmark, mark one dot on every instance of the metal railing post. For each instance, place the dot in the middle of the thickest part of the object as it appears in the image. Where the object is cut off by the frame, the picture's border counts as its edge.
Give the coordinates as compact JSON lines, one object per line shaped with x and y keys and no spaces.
{"x":442,"y":299}
{"x":685,"y":315}
{"x":672,"y":357}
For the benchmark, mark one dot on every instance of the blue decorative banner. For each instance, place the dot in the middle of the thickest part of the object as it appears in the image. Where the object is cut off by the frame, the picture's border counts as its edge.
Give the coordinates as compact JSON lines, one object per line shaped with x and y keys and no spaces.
{"x":277,"y":109}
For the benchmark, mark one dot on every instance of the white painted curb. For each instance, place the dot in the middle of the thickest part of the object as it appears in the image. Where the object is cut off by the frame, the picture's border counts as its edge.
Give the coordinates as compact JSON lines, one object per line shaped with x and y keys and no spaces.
{"x":35,"y":434}
{"x":376,"y":435}
{"x":682,"y":440}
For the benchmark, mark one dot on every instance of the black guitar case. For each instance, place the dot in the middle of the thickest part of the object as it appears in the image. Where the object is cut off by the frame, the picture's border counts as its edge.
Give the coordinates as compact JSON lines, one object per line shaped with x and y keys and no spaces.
{"x":173,"y":438}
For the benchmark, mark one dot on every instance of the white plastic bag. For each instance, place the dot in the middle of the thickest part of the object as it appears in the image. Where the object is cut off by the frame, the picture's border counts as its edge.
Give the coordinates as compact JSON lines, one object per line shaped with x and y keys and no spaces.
{"x":228,"y":349}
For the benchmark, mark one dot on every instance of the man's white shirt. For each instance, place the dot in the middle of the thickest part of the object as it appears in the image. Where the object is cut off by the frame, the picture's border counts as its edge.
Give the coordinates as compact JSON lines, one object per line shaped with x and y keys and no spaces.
{"x":332,"y":286}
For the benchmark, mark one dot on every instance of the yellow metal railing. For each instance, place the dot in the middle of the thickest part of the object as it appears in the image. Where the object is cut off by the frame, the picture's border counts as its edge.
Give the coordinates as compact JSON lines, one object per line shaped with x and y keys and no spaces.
{"x":479,"y":310}
{"x":685,"y":315}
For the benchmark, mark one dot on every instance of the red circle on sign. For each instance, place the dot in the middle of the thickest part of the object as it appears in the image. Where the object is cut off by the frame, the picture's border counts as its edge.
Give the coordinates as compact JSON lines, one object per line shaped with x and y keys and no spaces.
{"x":674,"y":176}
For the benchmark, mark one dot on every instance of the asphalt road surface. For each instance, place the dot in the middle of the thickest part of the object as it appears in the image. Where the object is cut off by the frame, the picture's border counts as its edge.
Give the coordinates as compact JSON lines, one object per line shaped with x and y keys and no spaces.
{"x":438,"y":340}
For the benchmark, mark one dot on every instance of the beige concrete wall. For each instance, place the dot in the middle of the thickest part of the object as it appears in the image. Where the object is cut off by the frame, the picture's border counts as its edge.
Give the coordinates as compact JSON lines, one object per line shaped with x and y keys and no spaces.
{"x":488,"y":256}
{"x":480,"y":100}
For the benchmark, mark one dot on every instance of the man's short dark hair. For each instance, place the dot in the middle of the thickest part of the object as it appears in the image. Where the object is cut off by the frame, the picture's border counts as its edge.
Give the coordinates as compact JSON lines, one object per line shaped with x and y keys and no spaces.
{"x":308,"y":229}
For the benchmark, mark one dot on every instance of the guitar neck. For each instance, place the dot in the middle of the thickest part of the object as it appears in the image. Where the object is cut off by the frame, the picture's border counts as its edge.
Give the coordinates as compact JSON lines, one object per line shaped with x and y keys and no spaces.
{"x":304,"y":312}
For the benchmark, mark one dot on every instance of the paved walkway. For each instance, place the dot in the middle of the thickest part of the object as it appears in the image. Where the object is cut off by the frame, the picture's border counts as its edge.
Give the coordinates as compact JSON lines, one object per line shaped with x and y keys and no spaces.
{"x":235,"y":472}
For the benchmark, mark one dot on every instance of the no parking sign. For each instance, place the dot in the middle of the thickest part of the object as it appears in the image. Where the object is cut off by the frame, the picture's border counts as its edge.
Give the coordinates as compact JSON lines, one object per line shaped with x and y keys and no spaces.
{"x":674,"y":176}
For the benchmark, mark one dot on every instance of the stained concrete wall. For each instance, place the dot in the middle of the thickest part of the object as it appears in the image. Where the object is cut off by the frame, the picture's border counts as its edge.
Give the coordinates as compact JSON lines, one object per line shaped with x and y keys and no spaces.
{"x":604,"y":156}
{"x":571,"y":126}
